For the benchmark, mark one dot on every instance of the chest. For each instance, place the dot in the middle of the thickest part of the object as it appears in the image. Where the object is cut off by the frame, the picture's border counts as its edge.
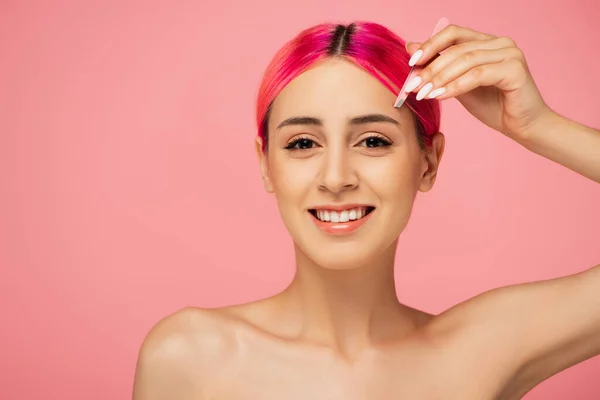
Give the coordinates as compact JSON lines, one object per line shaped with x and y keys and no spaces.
{"x":404,"y":375}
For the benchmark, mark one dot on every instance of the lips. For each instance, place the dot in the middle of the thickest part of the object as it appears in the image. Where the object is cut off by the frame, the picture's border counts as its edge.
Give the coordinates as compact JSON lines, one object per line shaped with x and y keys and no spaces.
{"x":341,"y":216}
{"x":341,"y":220}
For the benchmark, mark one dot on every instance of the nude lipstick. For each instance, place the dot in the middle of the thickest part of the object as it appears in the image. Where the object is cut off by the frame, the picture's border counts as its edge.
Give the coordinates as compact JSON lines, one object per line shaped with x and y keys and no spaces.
{"x":341,"y":219}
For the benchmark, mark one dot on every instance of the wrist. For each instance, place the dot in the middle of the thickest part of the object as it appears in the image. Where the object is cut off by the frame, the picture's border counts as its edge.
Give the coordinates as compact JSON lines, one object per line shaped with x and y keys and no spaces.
{"x":547,"y":123}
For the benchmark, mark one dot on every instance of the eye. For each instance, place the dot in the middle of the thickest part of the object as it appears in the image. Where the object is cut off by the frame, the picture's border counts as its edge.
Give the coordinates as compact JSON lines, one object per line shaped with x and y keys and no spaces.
{"x":376,"y":141}
{"x":301,"y":144}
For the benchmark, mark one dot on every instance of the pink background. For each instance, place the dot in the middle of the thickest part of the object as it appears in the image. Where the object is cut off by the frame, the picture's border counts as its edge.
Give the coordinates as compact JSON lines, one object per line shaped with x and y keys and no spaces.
{"x":130,"y":189}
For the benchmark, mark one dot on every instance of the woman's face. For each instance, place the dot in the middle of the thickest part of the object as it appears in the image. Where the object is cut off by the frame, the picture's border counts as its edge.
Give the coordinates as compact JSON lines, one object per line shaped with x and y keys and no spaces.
{"x":344,"y":164}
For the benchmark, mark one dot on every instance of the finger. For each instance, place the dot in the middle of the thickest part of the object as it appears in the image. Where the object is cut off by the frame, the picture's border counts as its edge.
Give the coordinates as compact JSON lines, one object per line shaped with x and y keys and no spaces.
{"x":411,"y":47}
{"x":469,"y":53}
{"x":507,"y":75}
{"x":449,"y":36}
{"x":466,"y":63}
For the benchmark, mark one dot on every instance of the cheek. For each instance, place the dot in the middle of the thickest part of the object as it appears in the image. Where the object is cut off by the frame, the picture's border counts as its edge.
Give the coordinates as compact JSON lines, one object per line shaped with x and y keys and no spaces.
{"x":292,"y":178}
{"x":392,"y":177}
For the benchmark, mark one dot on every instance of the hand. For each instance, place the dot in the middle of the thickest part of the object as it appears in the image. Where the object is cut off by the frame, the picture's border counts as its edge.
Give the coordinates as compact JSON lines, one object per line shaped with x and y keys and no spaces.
{"x":488,"y":75}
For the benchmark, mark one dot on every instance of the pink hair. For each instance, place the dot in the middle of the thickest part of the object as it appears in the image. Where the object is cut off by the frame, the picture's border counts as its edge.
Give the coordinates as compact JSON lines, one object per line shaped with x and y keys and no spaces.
{"x":371,"y":46}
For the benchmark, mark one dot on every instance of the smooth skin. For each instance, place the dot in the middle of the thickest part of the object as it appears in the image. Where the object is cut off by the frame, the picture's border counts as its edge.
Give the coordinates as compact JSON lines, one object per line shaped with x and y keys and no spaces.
{"x":338,"y":331}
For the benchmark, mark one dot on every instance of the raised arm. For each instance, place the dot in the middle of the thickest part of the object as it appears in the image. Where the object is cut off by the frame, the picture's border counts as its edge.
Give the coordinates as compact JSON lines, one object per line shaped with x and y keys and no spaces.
{"x":559,"y":323}
{"x":566,"y":142}
{"x":489,"y":76}
{"x":532,"y":331}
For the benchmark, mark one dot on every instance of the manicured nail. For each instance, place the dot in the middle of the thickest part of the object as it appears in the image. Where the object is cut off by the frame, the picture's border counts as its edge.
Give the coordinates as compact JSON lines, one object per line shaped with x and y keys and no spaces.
{"x":415,"y":57}
{"x":424,"y":91}
{"x":413,"y":84}
{"x":437,"y":92}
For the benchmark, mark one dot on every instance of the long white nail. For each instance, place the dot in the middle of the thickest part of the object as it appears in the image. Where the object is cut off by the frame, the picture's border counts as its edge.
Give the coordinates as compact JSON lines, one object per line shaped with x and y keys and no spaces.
{"x":413,"y":84}
{"x":437,"y":92}
{"x":415,"y":57}
{"x":424,"y":91}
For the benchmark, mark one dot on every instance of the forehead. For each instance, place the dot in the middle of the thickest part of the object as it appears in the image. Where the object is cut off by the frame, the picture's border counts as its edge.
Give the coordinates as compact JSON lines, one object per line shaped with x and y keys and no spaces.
{"x":335,"y":89}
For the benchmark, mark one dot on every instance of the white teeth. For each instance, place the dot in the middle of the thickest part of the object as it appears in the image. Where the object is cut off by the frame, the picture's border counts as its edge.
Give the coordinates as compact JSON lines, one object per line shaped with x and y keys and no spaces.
{"x":352,"y":214}
{"x":341,"y":216}
{"x":344,"y":216}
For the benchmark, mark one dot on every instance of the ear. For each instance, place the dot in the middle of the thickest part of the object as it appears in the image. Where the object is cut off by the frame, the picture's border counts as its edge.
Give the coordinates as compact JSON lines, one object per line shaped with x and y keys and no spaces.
{"x":264,"y":164}
{"x":432,"y":157}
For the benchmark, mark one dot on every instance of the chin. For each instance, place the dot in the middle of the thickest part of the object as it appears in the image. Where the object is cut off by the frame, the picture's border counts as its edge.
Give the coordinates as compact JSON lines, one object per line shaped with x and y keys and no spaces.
{"x":342,"y":257}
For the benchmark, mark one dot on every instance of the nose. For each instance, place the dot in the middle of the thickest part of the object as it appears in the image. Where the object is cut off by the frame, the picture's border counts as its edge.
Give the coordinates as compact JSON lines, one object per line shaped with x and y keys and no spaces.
{"x":338,"y":174}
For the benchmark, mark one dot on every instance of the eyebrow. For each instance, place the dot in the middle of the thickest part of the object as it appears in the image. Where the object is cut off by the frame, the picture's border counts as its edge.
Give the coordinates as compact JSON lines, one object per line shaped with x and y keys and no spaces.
{"x":360,"y":120}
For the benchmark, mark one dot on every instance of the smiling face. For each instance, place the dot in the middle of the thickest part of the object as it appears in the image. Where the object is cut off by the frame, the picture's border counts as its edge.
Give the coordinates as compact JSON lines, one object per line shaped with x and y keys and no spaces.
{"x":344,"y":164}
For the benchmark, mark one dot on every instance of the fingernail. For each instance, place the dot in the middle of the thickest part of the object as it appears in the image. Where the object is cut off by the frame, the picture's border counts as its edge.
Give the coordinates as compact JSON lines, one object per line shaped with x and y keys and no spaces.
{"x":413,"y":84}
{"x":424,"y":90}
{"x":437,"y":92}
{"x":415,"y":57}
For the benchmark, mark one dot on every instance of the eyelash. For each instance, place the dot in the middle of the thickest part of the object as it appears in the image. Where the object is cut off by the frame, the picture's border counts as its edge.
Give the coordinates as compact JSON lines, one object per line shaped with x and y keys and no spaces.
{"x":292,"y":145}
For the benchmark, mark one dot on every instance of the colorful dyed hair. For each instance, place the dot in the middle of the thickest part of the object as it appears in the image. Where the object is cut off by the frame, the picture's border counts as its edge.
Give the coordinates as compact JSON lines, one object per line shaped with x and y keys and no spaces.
{"x":371,"y":46}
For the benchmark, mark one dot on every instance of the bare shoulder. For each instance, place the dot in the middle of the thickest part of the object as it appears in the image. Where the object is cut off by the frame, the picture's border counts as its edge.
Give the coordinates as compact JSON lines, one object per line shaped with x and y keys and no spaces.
{"x":182,"y":354}
{"x":501,"y":307}
{"x":189,"y":331}
{"x":528,"y":332}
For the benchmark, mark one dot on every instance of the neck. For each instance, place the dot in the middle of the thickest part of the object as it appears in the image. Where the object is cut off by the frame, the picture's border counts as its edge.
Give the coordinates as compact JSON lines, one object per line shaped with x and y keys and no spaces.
{"x":350,"y":309}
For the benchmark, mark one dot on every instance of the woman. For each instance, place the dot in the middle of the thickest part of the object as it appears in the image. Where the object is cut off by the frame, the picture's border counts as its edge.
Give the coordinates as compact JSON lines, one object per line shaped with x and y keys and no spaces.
{"x":345,"y":167}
